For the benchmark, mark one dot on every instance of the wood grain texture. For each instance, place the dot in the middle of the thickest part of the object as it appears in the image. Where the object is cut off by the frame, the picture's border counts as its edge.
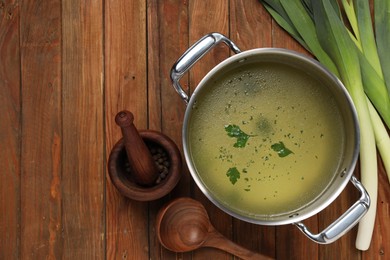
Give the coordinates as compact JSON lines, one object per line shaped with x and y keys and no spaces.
{"x":41,"y":211}
{"x":82,"y":180}
{"x":173,"y":31}
{"x":250,"y":25}
{"x":10,"y":138}
{"x":66,"y":69}
{"x":125,"y":88}
{"x":167,"y":27}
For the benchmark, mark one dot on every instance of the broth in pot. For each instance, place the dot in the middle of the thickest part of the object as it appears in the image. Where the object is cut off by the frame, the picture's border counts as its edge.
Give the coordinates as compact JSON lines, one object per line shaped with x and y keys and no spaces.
{"x":265,"y":138}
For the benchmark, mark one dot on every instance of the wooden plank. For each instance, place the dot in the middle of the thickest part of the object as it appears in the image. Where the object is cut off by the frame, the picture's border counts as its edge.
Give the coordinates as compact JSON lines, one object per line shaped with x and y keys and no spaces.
{"x":167,"y":40}
{"x":206,"y":17}
{"x":154,"y":112}
{"x":250,"y":28}
{"x":41,"y":212}
{"x":154,"y":41}
{"x":83,"y":173}
{"x":166,"y":44}
{"x":125,"y":88}
{"x":250,"y":25}
{"x":9,"y":130}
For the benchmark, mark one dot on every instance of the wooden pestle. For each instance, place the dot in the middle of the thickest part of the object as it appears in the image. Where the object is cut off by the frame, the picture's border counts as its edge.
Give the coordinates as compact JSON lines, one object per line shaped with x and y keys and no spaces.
{"x":142,"y":164}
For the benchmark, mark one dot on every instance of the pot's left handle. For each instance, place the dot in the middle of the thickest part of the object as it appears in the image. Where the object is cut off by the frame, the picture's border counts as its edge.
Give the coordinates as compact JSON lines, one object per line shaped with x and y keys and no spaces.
{"x":345,"y":222}
{"x":193,"y":54}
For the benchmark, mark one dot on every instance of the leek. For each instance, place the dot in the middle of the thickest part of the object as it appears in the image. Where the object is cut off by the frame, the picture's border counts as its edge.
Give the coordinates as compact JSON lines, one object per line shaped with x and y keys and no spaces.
{"x":369,"y":59}
{"x":382,"y":139}
{"x":361,"y":61}
{"x":338,"y":44}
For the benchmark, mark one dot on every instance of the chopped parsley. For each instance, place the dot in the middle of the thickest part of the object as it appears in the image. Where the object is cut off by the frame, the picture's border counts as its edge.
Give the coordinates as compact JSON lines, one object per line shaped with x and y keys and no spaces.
{"x":233,"y":175}
{"x":282,"y":150}
{"x":236,"y":132}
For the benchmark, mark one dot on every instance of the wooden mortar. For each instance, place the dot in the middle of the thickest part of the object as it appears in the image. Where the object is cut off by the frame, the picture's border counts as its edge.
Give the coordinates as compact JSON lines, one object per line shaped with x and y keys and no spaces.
{"x":131,"y":167}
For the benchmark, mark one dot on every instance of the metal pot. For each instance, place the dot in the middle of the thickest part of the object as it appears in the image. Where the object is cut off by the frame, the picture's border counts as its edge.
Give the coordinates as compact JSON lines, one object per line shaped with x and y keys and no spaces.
{"x":341,"y":176}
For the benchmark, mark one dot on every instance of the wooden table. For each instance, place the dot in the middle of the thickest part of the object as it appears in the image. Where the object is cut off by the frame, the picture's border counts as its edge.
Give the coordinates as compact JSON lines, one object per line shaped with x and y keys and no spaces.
{"x":66,"y":69}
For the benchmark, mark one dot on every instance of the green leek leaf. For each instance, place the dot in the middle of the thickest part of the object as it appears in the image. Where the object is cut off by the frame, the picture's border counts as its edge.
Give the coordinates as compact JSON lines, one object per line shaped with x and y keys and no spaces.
{"x":375,"y":88}
{"x":286,"y":24}
{"x":351,"y":15}
{"x":382,"y":33}
{"x":365,"y":29}
{"x":273,"y":9}
{"x":305,"y":26}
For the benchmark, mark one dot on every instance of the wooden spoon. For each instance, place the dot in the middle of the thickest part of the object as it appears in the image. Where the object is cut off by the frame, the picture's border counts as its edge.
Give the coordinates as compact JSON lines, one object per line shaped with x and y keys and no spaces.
{"x":183,"y":225}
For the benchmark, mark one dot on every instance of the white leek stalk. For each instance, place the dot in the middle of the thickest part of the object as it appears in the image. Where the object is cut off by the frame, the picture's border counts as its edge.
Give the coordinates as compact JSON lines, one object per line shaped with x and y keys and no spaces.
{"x":382,"y":138}
{"x":369,"y":179}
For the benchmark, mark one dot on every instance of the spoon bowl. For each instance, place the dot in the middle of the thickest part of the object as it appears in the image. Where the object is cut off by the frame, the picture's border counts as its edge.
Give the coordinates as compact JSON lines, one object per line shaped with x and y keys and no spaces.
{"x":183,"y":225}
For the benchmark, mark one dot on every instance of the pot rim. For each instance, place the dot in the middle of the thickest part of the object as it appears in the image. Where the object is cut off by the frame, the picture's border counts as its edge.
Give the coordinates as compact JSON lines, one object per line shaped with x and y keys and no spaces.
{"x":299,"y":214}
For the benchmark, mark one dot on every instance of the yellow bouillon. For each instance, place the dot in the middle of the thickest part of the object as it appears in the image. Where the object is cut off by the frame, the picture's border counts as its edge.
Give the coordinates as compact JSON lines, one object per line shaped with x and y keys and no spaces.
{"x":265,"y":139}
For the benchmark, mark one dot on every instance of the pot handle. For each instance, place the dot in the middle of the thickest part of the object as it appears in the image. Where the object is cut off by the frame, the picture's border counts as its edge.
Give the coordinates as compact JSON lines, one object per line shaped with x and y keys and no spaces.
{"x":193,"y":54}
{"x":345,"y":222}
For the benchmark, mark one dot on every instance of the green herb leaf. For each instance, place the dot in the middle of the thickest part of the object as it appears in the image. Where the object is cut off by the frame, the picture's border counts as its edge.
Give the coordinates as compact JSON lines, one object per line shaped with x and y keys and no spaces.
{"x":282,"y":150}
{"x":233,"y":175}
{"x":235,"y":131}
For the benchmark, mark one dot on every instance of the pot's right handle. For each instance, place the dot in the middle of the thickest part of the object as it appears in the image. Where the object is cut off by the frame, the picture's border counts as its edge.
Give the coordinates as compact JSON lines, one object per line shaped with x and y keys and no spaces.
{"x":344,"y":223}
{"x":193,"y":54}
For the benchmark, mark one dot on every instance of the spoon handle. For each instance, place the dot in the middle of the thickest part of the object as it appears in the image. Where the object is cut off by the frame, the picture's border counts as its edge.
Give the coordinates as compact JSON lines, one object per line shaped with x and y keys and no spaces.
{"x":217,"y":240}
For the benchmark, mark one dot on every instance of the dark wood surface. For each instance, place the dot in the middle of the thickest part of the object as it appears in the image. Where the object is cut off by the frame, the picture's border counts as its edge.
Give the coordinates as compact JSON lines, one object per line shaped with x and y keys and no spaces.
{"x":66,"y":69}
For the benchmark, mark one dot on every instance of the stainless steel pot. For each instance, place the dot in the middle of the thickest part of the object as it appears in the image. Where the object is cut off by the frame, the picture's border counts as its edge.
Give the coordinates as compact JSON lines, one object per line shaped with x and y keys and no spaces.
{"x":341,"y":177}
